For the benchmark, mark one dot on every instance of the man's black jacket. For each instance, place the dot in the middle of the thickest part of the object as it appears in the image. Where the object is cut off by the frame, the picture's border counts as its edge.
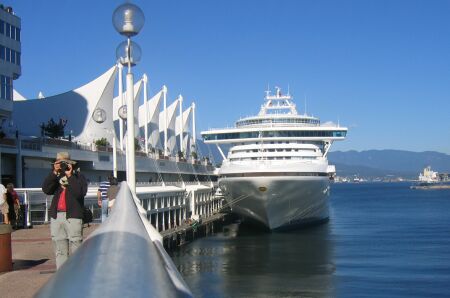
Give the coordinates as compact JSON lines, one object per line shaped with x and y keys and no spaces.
{"x":76,"y":190}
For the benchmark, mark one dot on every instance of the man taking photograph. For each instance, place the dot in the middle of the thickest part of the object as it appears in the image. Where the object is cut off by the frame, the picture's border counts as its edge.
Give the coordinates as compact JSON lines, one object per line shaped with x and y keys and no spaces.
{"x":66,"y":210}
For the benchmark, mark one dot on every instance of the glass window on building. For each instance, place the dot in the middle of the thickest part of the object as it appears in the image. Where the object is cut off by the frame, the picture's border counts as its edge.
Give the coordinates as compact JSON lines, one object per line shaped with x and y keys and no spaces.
{"x":18,"y":34}
{"x":2,"y":27}
{"x":9,"y":89}
{"x":18,"y":58}
{"x":7,"y":29}
{"x":8,"y":54}
{"x":13,"y":32}
{"x":13,"y":56}
{"x":2,"y":87}
{"x":5,"y":87}
{"x":2,"y":52}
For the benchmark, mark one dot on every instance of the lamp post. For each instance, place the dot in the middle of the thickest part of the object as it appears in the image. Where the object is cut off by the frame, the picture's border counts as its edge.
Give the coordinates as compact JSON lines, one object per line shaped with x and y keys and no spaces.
{"x":128,"y":19}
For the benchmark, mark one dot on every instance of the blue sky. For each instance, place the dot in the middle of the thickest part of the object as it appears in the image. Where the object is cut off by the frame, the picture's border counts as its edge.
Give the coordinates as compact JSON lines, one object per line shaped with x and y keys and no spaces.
{"x":382,"y":68}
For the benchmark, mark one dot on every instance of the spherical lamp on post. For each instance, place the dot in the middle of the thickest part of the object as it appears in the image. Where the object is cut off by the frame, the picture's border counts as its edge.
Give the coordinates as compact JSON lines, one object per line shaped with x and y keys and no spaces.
{"x":128,"y":19}
{"x":99,"y":115}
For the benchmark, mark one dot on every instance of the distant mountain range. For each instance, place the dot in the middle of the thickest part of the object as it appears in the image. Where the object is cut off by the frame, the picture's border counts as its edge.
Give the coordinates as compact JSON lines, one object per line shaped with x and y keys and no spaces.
{"x":370,"y":163}
{"x":377,"y":163}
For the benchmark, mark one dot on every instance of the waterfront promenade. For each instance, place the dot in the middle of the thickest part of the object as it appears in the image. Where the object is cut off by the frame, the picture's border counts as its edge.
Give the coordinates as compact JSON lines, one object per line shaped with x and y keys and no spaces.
{"x":33,"y":261}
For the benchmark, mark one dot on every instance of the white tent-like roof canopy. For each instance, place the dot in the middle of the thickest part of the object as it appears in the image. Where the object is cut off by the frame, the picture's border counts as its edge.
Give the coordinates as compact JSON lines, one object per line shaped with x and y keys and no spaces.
{"x":75,"y":106}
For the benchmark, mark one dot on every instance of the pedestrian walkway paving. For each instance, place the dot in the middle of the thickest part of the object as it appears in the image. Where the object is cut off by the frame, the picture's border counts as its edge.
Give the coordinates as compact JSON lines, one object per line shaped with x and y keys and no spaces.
{"x":33,"y":261}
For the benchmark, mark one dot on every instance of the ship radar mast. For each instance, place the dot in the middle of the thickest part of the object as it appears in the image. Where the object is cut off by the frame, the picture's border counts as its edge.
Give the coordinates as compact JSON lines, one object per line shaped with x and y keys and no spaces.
{"x":278,"y":104}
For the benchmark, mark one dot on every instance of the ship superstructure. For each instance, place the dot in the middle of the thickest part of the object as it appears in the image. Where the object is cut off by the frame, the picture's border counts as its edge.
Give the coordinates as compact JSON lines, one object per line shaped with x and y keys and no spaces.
{"x":276,"y":171}
{"x":428,"y":176}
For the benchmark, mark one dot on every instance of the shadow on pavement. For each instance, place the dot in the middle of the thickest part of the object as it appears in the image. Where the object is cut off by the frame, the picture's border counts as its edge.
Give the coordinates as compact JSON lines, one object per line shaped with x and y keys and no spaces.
{"x":27,"y":264}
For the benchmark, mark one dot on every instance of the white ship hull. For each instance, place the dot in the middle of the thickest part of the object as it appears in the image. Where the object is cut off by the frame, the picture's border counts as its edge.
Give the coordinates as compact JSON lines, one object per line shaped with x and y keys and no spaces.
{"x":276,"y":170}
{"x":278,"y":201}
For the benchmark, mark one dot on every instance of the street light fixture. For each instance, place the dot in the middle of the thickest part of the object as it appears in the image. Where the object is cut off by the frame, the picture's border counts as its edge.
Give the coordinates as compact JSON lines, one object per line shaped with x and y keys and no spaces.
{"x":123,"y":50}
{"x":128,"y":19}
{"x":99,"y":115}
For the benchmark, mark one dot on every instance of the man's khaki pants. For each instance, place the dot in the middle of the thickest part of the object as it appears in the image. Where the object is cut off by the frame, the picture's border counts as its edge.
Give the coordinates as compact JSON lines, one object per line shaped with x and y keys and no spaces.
{"x":65,"y":232}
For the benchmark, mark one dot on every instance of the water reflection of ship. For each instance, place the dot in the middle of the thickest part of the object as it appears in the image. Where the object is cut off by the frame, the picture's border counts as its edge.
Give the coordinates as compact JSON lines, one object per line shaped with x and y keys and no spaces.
{"x":242,"y":262}
{"x":296,"y":264}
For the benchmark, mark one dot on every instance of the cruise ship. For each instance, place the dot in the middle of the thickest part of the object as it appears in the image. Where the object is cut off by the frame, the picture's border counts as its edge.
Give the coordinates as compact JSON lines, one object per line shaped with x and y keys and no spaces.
{"x":276,"y":170}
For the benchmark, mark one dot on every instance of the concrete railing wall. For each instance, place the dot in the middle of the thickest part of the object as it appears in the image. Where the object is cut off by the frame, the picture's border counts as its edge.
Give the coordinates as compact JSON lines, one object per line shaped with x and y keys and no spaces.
{"x":123,"y":257}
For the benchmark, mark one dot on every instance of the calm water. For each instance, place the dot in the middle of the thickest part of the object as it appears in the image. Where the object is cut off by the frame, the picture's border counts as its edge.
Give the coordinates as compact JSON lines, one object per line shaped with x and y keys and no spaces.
{"x":383,"y":240}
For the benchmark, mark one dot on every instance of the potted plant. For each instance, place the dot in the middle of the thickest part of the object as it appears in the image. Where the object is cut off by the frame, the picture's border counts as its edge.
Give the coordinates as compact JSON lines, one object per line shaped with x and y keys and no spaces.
{"x":101,"y":144}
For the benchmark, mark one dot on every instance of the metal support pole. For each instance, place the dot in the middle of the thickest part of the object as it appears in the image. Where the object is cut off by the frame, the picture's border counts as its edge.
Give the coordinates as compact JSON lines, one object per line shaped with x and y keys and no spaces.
{"x":163,"y":221}
{"x":165,"y":121}
{"x":19,"y":162}
{"x":194,"y":141}
{"x":122,"y":102}
{"x":191,"y":202}
{"x":131,"y":163}
{"x":26,"y":202}
{"x":46,"y":210}
{"x":170,"y":218}
{"x":181,"y":125}
{"x":145,"y":79}
{"x":114,"y":154}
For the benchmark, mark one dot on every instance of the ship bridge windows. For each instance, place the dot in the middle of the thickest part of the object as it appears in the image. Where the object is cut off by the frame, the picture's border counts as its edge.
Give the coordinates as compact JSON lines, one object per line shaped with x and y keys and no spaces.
{"x":298,"y":158}
{"x":262,"y":121}
{"x":275,"y":134}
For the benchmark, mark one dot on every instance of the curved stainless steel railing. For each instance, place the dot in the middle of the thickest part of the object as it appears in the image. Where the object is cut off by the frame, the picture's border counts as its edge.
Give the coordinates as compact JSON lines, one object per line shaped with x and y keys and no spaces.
{"x":123,"y":257}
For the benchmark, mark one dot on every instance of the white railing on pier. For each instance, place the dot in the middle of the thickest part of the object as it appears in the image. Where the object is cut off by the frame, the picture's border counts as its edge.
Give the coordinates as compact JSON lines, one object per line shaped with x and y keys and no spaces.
{"x":166,"y":206}
{"x":123,"y":257}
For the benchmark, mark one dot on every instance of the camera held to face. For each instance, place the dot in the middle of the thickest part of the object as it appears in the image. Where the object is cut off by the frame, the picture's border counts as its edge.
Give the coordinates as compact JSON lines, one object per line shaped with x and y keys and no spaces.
{"x":64,"y":166}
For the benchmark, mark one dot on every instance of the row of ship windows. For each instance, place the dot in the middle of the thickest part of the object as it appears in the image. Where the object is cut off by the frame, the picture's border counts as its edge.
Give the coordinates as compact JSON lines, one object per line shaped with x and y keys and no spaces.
{"x":275,"y":134}
{"x":9,"y":55}
{"x":9,"y":30}
{"x":275,"y":158}
{"x":273,"y":150}
{"x":270,"y":121}
{"x":285,"y":142}
{"x":6,"y":87}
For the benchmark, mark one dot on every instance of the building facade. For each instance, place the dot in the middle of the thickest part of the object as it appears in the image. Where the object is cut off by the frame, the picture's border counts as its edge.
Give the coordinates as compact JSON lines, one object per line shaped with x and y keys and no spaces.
{"x":10,"y":60}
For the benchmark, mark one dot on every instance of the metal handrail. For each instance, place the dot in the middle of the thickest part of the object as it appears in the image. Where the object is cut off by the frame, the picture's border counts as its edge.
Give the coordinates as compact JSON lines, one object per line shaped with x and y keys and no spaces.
{"x":123,"y":257}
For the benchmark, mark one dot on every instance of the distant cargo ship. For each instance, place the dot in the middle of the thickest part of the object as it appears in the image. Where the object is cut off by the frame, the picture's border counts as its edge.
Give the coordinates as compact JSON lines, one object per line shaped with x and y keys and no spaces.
{"x":428,"y":176}
{"x":429,"y":179}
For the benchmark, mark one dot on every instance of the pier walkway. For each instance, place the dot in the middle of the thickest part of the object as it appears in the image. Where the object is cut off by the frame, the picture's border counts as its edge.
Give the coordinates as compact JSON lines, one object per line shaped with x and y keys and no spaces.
{"x":179,"y":213}
{"x":33,"y":261}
